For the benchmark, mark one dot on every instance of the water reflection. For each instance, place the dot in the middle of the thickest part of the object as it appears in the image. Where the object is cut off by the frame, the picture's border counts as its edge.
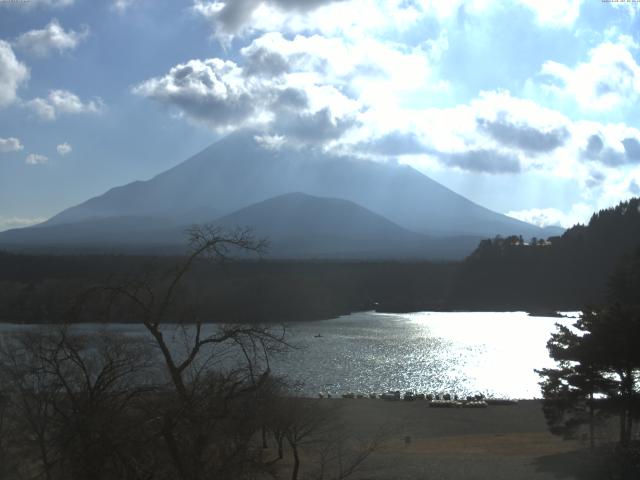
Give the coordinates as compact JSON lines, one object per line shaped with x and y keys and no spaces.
{"x":457,"y":352}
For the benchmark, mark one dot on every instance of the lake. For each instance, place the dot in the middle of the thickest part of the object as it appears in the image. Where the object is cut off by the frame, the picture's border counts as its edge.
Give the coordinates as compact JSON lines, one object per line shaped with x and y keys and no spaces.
{"x":494,"y":353}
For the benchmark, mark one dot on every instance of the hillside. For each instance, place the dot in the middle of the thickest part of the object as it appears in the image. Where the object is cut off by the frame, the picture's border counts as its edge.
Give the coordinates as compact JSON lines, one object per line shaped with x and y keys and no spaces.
{"x":297,"y":226}
{"x":565,"y":272}
{"x":237,"y":171}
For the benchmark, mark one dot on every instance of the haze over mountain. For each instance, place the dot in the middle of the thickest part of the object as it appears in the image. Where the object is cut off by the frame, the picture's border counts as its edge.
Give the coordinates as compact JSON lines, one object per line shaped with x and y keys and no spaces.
{"x":300,"y":225}
{"x":360,"y":201}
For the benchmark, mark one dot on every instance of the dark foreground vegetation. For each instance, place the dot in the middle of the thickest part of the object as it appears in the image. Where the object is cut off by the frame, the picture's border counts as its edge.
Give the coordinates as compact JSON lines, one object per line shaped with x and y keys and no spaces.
{"x":598,"y":376}
{"x":106,"y":406}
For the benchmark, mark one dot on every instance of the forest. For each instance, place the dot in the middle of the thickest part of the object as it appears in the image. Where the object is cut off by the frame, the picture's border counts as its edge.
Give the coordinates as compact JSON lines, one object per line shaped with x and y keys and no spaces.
{"x":503,"y":273}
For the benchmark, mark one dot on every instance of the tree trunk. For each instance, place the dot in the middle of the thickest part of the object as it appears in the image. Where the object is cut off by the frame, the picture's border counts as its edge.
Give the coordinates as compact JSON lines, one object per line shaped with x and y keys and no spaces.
{"x":264,"y":437}
{"x":591,"y":420}
{"x":296,"y":462}
{"x":623,"y":424}
{"x":279,"y":440}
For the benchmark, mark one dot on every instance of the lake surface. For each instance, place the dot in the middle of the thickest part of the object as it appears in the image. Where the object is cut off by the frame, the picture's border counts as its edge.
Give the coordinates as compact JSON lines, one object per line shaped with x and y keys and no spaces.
{"x":494,"y":353}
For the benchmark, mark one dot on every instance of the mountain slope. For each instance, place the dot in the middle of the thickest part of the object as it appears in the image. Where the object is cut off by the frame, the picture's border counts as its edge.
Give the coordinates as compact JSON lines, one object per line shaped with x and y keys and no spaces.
{"x":301,"y":225}
{"x":297,"y":225}
{"x":237,"y":171}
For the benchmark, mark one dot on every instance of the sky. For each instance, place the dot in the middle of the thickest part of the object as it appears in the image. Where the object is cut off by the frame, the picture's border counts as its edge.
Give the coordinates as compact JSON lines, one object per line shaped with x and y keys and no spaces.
{"x":527,"y":107}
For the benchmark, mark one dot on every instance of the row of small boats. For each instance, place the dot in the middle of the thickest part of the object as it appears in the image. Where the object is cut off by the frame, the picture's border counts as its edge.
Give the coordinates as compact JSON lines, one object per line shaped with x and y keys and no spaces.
{"x":435,"y":400}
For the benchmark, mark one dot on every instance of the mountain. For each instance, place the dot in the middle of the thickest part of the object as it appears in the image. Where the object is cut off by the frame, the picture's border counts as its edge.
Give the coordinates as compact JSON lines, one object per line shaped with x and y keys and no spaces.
{"x":237,"y":171}
{"x":297,"y":225}
{"x":345,"y":207}
{"x":301,"y":225}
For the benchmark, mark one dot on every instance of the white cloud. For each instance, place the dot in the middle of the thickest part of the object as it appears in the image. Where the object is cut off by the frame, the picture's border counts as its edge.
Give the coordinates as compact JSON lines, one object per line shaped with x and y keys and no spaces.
{"x":555,"y":13}
{"x":36,"y":159}
{"x":18,"y":222}
{"x":609,"y":80}
{"x":12,"y":74}
{"x":64,"y":149}
{"x":63,"y":102}
{"x":269,"y":90}
{"x":122,"y":5}
{"x":329,"y":17}
{"x":10,"y":144}
{"x":543,"y":217}
{"x":51,"y":37}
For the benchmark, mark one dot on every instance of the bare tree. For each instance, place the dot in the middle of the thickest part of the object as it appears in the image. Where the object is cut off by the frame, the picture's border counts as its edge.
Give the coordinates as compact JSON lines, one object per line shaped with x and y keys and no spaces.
{"x":69,"y":401}
{"x":211,"y":369}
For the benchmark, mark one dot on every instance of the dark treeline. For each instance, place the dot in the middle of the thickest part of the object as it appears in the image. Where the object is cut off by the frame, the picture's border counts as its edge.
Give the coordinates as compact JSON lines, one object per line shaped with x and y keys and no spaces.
{"x":503,"y":274}
{"x":32,"y":288}
{"x":564,"y":272}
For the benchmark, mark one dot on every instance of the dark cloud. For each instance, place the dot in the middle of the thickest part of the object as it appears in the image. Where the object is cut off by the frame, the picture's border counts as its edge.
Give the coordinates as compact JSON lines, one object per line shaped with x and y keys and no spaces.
{"x":291,"y":99}
{"x":262,"y":62}
{"x":312,"y":128}
{"x":597,"y":151}
{"x":482,"y":160}
{"x":631,"y":149}
{"x":235,"y":13}
{"x":395,"y":143}
{"x":595,"y":179}
{"x":524,"y":137}
{"x":594,"y":147}
{"x":202,"y":91}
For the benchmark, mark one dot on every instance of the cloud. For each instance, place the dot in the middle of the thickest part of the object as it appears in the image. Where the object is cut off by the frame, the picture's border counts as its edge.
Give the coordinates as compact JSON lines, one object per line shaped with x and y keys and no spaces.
{"x":556,"y":13}
{"x":312,"y":128}
{"x":212,"y":91}
{"x":523,"y":136}
{"x":18,"y":222}
{"x":270,"y":142}
{"x":281,"y":97}
{"x":36,"y":159}
{"x":10,"y":144}
{"x":64,"y":149}
{"x":487,"y":161}
{"x":122,"y":5}
{"x":608,"y":80}
{"x":51,"y":37}
{"x":393,"y":144}
{"x":262,"y":62}
{"x":544,"y":217}
{"x":230,"y":16}
{"x":12,"y":74}
{"x":631,"y":149}
{"x":63,"y":102}
{"x":616,"y":152}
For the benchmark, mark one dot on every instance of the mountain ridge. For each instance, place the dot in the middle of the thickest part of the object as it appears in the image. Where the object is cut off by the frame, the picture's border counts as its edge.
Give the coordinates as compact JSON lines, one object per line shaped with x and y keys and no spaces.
{"x":236,"y":171}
